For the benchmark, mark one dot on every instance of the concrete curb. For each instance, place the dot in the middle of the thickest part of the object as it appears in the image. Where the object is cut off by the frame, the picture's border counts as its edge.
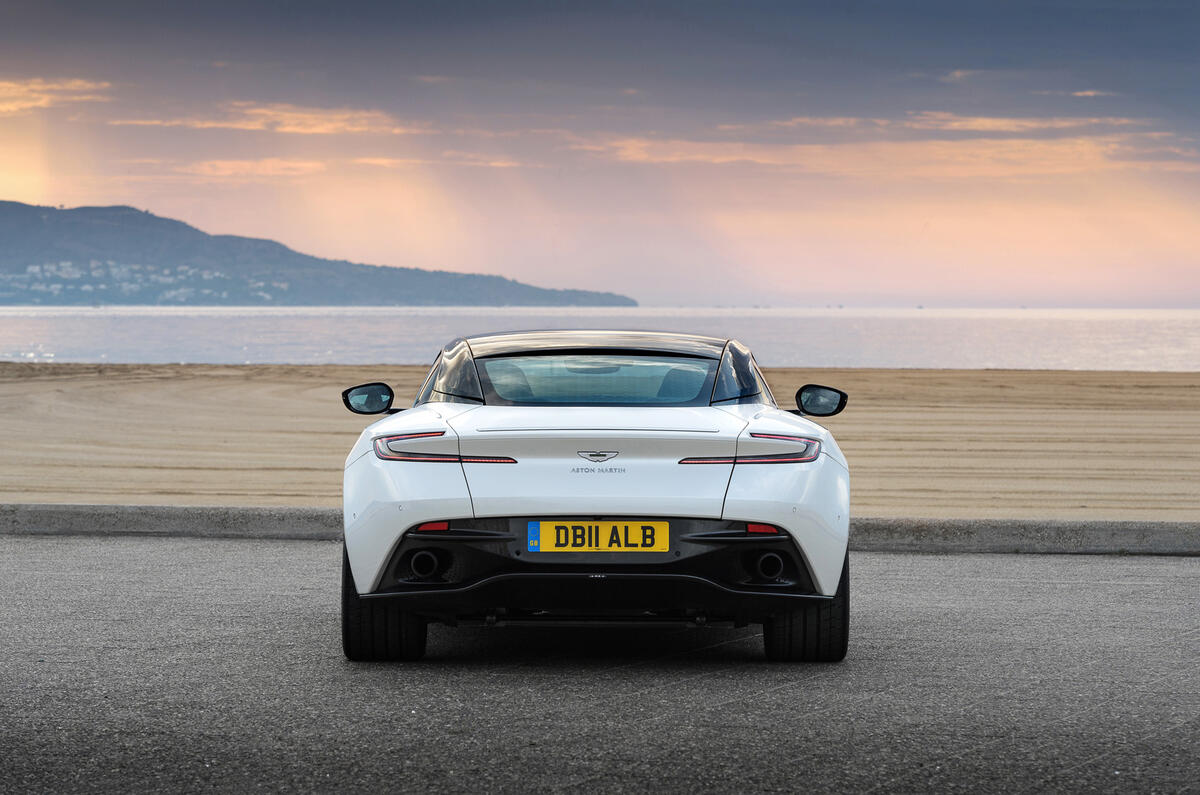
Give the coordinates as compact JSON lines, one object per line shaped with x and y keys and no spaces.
{"x":1074,"y":537}
{"x":874,"y":535}
{"x":185,"y":521}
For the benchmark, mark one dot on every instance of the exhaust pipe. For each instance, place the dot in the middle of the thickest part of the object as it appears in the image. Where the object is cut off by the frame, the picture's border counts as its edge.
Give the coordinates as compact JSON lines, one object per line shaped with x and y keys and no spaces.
{"x":423,"y":564}
{"x":769,"y":565}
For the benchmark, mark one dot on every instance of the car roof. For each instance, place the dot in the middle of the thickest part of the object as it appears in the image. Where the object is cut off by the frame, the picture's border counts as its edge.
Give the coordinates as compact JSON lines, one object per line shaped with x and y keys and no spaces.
{"x":510,"y":342}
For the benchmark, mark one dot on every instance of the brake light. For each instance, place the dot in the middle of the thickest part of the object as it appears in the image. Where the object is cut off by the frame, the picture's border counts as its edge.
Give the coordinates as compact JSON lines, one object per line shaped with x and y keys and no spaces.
{"x":811,"y":449}
{"x":384,"y":450}
{"x":433,"y":526}
{"x":781,"y":458}
{"x":389,"y":448}
{"x":763,"y":529}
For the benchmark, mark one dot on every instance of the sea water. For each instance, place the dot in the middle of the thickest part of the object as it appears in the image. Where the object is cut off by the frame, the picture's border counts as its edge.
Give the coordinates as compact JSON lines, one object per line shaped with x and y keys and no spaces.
{"x":1074,"y":339}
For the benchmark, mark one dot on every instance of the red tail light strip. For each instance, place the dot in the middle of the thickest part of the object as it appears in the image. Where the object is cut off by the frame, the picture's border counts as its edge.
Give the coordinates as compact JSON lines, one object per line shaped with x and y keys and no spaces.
{"x":384,"y":451}
{"x":782,"y":437}
{"x":804,"y":456}
{"x":404,"y":436}
{"x":381,"y":450}
{"x":781,"y":458}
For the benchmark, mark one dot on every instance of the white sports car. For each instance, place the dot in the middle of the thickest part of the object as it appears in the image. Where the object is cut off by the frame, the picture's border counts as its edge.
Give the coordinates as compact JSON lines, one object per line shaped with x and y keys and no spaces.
{"x":549,"y":477}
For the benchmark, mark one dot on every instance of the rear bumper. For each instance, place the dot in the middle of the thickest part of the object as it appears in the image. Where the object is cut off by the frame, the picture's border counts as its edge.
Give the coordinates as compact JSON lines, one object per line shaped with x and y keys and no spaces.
{"x":484,"y":571}
{"x":594,"y":598}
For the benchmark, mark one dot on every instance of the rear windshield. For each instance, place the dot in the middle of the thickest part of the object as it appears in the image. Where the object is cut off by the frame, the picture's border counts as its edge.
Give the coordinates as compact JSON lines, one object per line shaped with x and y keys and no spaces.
{"x":597,"y":379}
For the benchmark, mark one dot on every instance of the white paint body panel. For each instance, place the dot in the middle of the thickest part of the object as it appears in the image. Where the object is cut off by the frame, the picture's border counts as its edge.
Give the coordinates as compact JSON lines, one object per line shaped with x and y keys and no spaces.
{"x":812,"y":500}
{"x":644,"y":479}
{"x":383,"y":499}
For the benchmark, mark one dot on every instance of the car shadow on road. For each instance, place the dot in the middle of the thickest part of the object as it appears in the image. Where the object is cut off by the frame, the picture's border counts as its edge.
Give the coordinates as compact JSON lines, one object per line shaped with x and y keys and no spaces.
{"x":606,"y":645}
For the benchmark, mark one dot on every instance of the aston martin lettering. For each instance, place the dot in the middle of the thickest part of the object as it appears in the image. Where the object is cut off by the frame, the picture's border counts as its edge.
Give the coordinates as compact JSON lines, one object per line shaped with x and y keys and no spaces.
{"x":597,"y":470}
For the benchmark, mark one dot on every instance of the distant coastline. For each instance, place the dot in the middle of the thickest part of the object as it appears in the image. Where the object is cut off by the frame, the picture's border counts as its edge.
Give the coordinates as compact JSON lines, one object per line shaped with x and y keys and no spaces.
{"x":121,"y":256}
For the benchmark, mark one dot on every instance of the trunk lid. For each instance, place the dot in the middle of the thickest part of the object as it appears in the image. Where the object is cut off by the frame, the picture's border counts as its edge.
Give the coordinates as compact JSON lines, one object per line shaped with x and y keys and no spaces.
{"x":597,"y":461}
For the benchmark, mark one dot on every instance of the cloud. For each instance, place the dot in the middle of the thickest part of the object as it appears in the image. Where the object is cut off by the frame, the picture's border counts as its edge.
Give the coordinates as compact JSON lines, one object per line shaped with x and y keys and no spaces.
{"x":1088,"y":93}
{"x":276,"y":168}
{"x":478,"y":159}
{"x":925,"y":159}
{"x":390,"y":162}
{"x":936,"y":121}
{"x":1162,"y":152}
{"x":448,"y":158}
{"x":816,"y":122}
{"x":292,"y":119}
{"x":242,"y":169}
{"x":940,"y":120}
{"x":19,"y":96}
{"x":958,"y":75}
{"x":432,"y":80}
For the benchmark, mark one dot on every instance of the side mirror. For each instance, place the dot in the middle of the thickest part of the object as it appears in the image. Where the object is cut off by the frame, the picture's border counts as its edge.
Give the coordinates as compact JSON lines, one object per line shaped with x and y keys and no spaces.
{"x":820,"y":401}
{"x":373,"y":398}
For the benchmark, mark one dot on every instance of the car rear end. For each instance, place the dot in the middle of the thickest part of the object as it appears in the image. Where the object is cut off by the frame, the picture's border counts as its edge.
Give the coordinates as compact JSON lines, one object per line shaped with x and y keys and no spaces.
{"x":518,"y":509}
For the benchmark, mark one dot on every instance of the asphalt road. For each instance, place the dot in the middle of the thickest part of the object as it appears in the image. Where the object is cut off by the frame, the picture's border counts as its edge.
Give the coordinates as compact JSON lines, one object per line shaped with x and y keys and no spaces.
{"x":151,"y":663}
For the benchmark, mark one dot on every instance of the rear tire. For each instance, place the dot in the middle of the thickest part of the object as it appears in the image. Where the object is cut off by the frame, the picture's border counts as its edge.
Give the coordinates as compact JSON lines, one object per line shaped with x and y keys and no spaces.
{"x":818,"y":632}
{"x":374,"y":629}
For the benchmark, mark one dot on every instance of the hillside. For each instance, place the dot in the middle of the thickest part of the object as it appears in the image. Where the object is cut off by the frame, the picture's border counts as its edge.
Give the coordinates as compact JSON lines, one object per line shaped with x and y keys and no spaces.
{"x":121,"y":255}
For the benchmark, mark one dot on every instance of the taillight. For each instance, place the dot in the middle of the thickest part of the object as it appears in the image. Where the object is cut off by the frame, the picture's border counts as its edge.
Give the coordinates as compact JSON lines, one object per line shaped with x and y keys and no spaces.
{"x":390,"y":448}
{"x":433,"y":526}
{"x":811,"y":448}
{"x":387,"y":453}
{"x":384,"y":447}
{"x":781,"y":458}
{"x":762,"y":529}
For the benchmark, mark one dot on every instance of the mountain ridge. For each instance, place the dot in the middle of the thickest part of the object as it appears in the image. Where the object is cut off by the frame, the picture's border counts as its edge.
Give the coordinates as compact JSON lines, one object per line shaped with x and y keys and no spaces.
{"x":118,"y":254}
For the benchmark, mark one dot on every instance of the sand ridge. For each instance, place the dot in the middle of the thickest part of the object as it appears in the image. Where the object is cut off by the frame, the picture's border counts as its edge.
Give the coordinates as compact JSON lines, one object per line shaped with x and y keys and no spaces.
{"x":921,"y":443}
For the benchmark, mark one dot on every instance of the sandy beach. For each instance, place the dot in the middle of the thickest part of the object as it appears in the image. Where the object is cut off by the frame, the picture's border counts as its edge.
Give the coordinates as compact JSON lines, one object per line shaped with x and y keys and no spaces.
{"x":921,"y":443}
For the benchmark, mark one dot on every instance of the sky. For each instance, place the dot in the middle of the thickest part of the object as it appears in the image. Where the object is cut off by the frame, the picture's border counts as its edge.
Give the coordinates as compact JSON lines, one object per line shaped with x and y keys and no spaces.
{"x":683,"y":153}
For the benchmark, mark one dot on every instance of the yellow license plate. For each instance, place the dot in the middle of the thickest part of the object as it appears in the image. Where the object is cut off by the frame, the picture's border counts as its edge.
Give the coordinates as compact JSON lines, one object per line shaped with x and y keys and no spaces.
{"x":621,"y":536}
